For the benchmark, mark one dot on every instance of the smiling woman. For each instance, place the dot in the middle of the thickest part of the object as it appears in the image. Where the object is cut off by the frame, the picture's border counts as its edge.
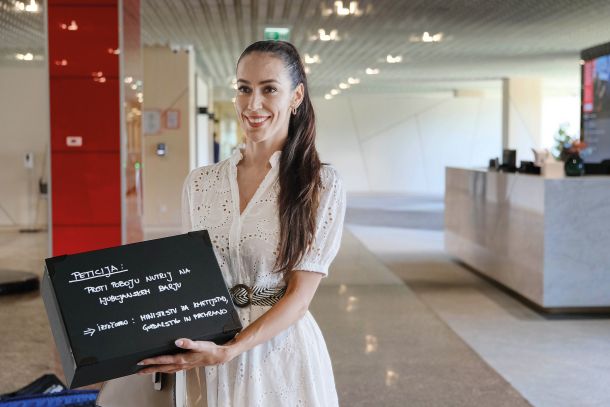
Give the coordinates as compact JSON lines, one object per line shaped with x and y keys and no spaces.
{"x":275,"y":215}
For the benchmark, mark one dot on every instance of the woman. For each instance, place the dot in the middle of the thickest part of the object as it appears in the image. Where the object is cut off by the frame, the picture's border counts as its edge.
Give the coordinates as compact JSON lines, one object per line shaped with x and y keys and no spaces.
{"x":275,"y":216}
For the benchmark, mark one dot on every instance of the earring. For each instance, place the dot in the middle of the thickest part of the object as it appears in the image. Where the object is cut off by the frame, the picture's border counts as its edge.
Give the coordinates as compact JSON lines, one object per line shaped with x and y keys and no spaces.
{"x":294,"y":110}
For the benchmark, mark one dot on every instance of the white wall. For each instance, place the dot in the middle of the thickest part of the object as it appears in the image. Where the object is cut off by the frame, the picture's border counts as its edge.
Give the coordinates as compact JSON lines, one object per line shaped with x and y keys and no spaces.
{"x":523,"y":100}
{"x":402,"y":143}
{"x":24,"y":127}
{"x":559,"y":110}
{"x":205,"y":146}
{"x":169,"y":83}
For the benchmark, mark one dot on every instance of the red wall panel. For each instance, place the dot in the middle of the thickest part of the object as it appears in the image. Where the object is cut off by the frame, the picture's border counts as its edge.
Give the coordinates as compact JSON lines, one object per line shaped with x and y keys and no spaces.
{"x":85,"y":101}
{"x":90,"y":48}
{"x":86,"y":190}
{"x":88,"y":109}
{"x":76,"y":239}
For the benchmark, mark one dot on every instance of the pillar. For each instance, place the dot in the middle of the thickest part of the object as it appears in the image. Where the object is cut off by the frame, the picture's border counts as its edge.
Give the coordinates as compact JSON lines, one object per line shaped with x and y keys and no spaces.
{"x":95,"y":86}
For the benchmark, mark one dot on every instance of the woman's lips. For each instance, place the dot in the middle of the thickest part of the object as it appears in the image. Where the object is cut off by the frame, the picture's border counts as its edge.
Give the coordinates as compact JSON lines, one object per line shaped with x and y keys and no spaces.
{"x":256,"y":121}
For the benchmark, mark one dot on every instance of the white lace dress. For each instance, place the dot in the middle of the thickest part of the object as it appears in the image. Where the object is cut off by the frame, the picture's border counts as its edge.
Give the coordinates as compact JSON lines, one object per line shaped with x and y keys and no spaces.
{"x":293,"y":368}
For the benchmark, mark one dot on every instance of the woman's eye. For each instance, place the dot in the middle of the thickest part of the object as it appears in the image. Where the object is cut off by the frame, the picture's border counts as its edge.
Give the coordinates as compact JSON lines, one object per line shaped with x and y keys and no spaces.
{"x":243,"y":89}
{"x":270,"y":89}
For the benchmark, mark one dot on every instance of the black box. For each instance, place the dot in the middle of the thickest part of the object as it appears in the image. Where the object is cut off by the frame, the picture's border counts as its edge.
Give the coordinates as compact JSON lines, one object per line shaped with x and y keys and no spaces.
{"x":111,"y":308}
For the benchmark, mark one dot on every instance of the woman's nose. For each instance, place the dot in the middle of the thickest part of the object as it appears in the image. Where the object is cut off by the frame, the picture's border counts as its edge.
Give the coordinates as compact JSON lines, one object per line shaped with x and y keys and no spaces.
{"x":255,"y":100}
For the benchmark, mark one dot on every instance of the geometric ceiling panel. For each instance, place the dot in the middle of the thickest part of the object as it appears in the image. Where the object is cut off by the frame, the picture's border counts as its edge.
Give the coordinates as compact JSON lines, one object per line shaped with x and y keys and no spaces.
{"x":482,"y":40}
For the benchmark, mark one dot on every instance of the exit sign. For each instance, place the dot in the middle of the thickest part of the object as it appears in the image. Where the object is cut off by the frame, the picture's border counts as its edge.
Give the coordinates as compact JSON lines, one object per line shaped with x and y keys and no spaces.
{"x":277,"y":33}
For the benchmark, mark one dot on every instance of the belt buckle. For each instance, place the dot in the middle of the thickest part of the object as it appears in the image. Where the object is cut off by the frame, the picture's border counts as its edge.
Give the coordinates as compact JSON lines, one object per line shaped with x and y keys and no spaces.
{"x":248,"y":290}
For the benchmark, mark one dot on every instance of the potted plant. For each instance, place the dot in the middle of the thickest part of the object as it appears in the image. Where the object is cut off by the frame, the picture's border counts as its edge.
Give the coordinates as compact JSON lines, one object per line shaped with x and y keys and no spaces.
{"x":569,"y":149}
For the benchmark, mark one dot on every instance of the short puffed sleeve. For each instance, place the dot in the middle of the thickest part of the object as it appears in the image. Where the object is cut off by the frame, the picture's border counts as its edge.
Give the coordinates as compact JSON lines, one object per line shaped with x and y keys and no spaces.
{"x":329,"y":225}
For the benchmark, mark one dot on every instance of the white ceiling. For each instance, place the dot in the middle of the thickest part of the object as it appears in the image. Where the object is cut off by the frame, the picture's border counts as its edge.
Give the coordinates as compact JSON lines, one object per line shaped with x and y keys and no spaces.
{"x":484,"y":39}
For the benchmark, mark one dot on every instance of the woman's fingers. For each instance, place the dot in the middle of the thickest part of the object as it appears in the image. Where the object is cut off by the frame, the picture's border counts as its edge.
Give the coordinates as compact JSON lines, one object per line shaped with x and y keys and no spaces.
{"x":197,"y":346}
{"x":200,"y":352}
{"x":162,"y":360}
{"x":162,"y":369}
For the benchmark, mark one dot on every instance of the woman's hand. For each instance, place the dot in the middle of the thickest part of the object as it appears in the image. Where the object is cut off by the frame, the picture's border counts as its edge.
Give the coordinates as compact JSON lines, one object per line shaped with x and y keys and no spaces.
{"x":200,"y":353}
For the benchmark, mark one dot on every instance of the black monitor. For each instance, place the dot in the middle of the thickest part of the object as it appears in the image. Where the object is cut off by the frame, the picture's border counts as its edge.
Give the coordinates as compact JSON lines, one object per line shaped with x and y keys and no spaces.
{"x":595,"y":102}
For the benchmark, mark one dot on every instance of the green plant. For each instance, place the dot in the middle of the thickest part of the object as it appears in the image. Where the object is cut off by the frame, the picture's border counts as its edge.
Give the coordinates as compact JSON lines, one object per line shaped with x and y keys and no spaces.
{"x":566,"y":144}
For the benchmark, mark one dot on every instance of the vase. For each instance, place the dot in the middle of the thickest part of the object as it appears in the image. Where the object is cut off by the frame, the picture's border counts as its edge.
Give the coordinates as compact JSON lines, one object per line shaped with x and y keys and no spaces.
{"x":574,"y":166}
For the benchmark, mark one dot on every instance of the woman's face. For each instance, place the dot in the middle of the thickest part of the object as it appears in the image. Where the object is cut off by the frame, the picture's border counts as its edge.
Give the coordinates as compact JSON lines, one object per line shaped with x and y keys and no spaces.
{"x":265,"y":97}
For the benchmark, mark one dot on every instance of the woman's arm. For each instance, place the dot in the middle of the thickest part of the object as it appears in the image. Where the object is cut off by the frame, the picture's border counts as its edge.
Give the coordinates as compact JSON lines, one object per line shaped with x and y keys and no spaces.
{"x":288,"y":310}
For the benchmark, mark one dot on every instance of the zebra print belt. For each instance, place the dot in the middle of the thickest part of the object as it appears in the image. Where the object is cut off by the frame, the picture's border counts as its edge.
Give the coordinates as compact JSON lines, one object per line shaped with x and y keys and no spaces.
{"x":243,"y":295}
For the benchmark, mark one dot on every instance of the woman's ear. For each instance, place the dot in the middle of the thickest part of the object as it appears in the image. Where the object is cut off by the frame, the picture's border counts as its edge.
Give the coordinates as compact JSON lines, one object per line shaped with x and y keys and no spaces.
{"x":299,"y":94}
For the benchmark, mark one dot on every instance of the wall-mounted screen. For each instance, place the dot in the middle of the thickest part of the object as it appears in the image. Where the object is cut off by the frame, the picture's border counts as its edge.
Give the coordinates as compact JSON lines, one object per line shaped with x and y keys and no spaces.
{"x":595,"y":106}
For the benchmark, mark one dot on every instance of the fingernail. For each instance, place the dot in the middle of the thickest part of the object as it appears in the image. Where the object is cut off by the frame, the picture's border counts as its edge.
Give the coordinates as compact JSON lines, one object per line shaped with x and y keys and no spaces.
{"x":140,"y":363}
{"x":178,"y":342}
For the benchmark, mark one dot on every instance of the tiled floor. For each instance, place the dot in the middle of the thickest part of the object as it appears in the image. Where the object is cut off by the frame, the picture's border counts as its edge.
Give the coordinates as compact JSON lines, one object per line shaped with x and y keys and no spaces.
{"x":551,"y":361}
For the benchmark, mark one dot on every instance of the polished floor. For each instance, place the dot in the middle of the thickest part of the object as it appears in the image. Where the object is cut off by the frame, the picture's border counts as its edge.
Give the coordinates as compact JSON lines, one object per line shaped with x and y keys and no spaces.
{"x":405,"y":325}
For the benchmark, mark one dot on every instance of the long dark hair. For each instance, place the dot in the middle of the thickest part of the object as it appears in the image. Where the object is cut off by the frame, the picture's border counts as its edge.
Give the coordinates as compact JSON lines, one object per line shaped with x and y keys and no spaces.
{"x":300,"y":165}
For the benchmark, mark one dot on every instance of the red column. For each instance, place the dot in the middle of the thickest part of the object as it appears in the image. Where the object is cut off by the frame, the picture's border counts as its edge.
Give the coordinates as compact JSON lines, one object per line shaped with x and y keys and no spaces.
{"x":87,"y":104}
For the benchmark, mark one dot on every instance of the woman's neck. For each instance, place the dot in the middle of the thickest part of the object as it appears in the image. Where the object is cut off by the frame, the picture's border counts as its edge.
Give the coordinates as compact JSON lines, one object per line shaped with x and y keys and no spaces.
{"x":258,"y":154}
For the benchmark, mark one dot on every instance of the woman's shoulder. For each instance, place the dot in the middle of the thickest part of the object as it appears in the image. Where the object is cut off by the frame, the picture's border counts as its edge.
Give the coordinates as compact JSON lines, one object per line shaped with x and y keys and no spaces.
{"x":206,"y":172}
{"x":330,"y":177}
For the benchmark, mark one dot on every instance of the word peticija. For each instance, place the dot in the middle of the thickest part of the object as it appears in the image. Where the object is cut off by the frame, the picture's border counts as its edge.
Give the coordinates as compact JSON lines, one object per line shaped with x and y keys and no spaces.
{"x":105,"y":271}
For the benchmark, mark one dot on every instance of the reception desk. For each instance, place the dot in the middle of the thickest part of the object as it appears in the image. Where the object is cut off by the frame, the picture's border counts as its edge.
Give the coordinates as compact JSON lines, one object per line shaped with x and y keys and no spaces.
{"x":546,"y":239}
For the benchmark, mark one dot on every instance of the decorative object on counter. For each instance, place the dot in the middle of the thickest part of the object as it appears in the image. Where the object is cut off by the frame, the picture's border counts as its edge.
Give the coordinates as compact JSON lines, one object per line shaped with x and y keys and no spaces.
{"x":509,"y":161}
{"x":540,"y":156}
{"x":528,"y":167}
{"x":602,"y":168}
{"x":494,"y":164}
{"x":570,"y":149}
{"x":574,"y":165}
{"x":563,"y":141}
{"x":552,"y":169}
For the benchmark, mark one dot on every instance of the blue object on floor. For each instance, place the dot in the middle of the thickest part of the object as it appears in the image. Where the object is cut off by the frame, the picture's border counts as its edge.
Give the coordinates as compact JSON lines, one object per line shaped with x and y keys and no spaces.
{"x":66,"y":398}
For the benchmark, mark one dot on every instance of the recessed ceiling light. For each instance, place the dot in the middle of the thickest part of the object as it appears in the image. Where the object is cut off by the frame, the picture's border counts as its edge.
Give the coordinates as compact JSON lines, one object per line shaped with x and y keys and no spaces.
{"x":372,"y":71}
{"x":353,"y":8}
{"x":328,"y":96}
{"x":343,"y":10}
{"x":25,"y":57}
{"x":32,"y":7}
{"x":343,"y":85}
{"x":333,"y":35}
{"x":426,"y":37}
{"x":393,"y":60}
{"x":315,"y":59}
{"x":353,"y":81}
{"x":70,"y":27}
{"x":334,"y":92}
{"x":307,"y":70}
